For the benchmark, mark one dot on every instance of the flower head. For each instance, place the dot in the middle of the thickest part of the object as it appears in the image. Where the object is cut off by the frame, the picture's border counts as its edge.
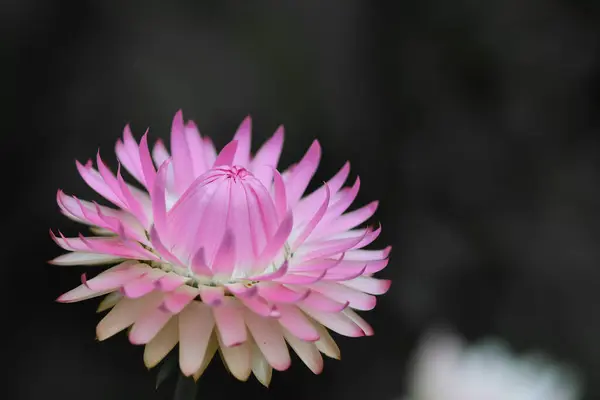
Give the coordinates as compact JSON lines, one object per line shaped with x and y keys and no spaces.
{"x":222,"y":252}
{"x":445,"y":369}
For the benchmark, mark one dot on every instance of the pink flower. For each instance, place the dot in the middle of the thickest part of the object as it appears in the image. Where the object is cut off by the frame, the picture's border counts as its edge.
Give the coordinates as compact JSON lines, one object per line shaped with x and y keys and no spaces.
{"x":224,"y":253}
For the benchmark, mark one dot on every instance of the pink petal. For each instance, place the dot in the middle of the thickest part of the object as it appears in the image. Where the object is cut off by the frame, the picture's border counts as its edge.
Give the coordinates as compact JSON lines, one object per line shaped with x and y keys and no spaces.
{"x":95,"y":181}
{"x":143,"y":285}
{"x":277,"y":293}
{"x":260,"y":307}
{"x":268,"y":156}
{"x":159,"y":206}
{"x":348,"y":221}
{"x":202,"y":221}
{"x":345,"y":200}
{"x":199,"y":266}
{"x":230,"y":323}
{"x":340,"y":293}
{"x":242,"y":291}
{"x":126,"y":160}
{"x":210,"y":153}
{"x":196,"y":149}
{"x":337,"y":322}
{"x":176,"y":300}
{"x":344,"y":274}
{"x":226,"y":155}
{"x":279,"y":195}
{"x":134,"y":205}
{"x":276,"y":243}
{"x":161,"y":249}
{"x":117,"y":248}
{"x":317,"y":301}
{"x":109,"y":179}
{"x":212,"y":295}
{"x":278,"y":273}
{"x":239,"y":222}
{"x":296,"y":322}
{"x":369,"y":238}
{"x":318,"y":264}
{"x":117,"y":276}
{"x":149,"y":172}
{"x":182,"y":162}
{"x":368,"y":255}
{"x":160,"y":153}
{"x":148,"y":325}
{"x":90,"y":214}
{"x":310,"y":226}
{"x":224,"y":261}
{"x":307,"y":206}
{"x":170,"y":282}
{"x":80,"y":293}
{"x":243,"y":137}
{"x":303,"y":173}
{"x":327,"y":248}
{"x":358,"y":320}
{"x":369,"y":285}
{"x":296,"y":279}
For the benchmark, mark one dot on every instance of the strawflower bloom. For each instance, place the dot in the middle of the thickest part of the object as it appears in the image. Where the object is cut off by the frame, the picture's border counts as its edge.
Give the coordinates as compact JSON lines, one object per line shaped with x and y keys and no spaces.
{"x":447,"y":369}
{"x":221,"y":252}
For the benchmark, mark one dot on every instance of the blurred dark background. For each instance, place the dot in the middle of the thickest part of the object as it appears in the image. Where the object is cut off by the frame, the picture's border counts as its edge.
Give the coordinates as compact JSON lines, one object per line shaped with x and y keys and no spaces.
{"x":474,"y":122}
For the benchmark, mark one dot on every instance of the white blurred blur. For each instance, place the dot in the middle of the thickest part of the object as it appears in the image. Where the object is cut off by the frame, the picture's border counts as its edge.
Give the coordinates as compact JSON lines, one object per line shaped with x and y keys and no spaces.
{"x":445,"y":368}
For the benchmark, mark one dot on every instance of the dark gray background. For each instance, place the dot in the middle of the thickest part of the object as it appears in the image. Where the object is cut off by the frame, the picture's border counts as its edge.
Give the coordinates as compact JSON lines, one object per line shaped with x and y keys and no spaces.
{"x":474,"y":122}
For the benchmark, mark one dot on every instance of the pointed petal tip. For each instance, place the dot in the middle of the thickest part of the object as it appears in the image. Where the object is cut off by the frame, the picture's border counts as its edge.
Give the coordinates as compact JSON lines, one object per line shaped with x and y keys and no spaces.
{"x":387,"y":251}
{"x":385,"y":285}
{"x":61,"y":299}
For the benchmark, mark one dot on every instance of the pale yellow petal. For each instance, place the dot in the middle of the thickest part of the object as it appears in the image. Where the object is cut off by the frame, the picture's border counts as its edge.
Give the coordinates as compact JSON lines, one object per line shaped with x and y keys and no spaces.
{"x":307,"y":351}
{"x":260,"y":367}
{"x":326,"y":344}
{"x":109,"y":301}
{"x":124,"y":314}
{"x":196,"y":325}
{"x":211,"y":349}
{"x":162,"y":343}
{"x":267,"y":334}
{"x":237,"y":359}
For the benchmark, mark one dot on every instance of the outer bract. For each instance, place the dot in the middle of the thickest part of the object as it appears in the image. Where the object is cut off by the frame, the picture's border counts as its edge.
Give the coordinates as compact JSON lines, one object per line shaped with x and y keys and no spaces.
{"x":222,"y":252}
